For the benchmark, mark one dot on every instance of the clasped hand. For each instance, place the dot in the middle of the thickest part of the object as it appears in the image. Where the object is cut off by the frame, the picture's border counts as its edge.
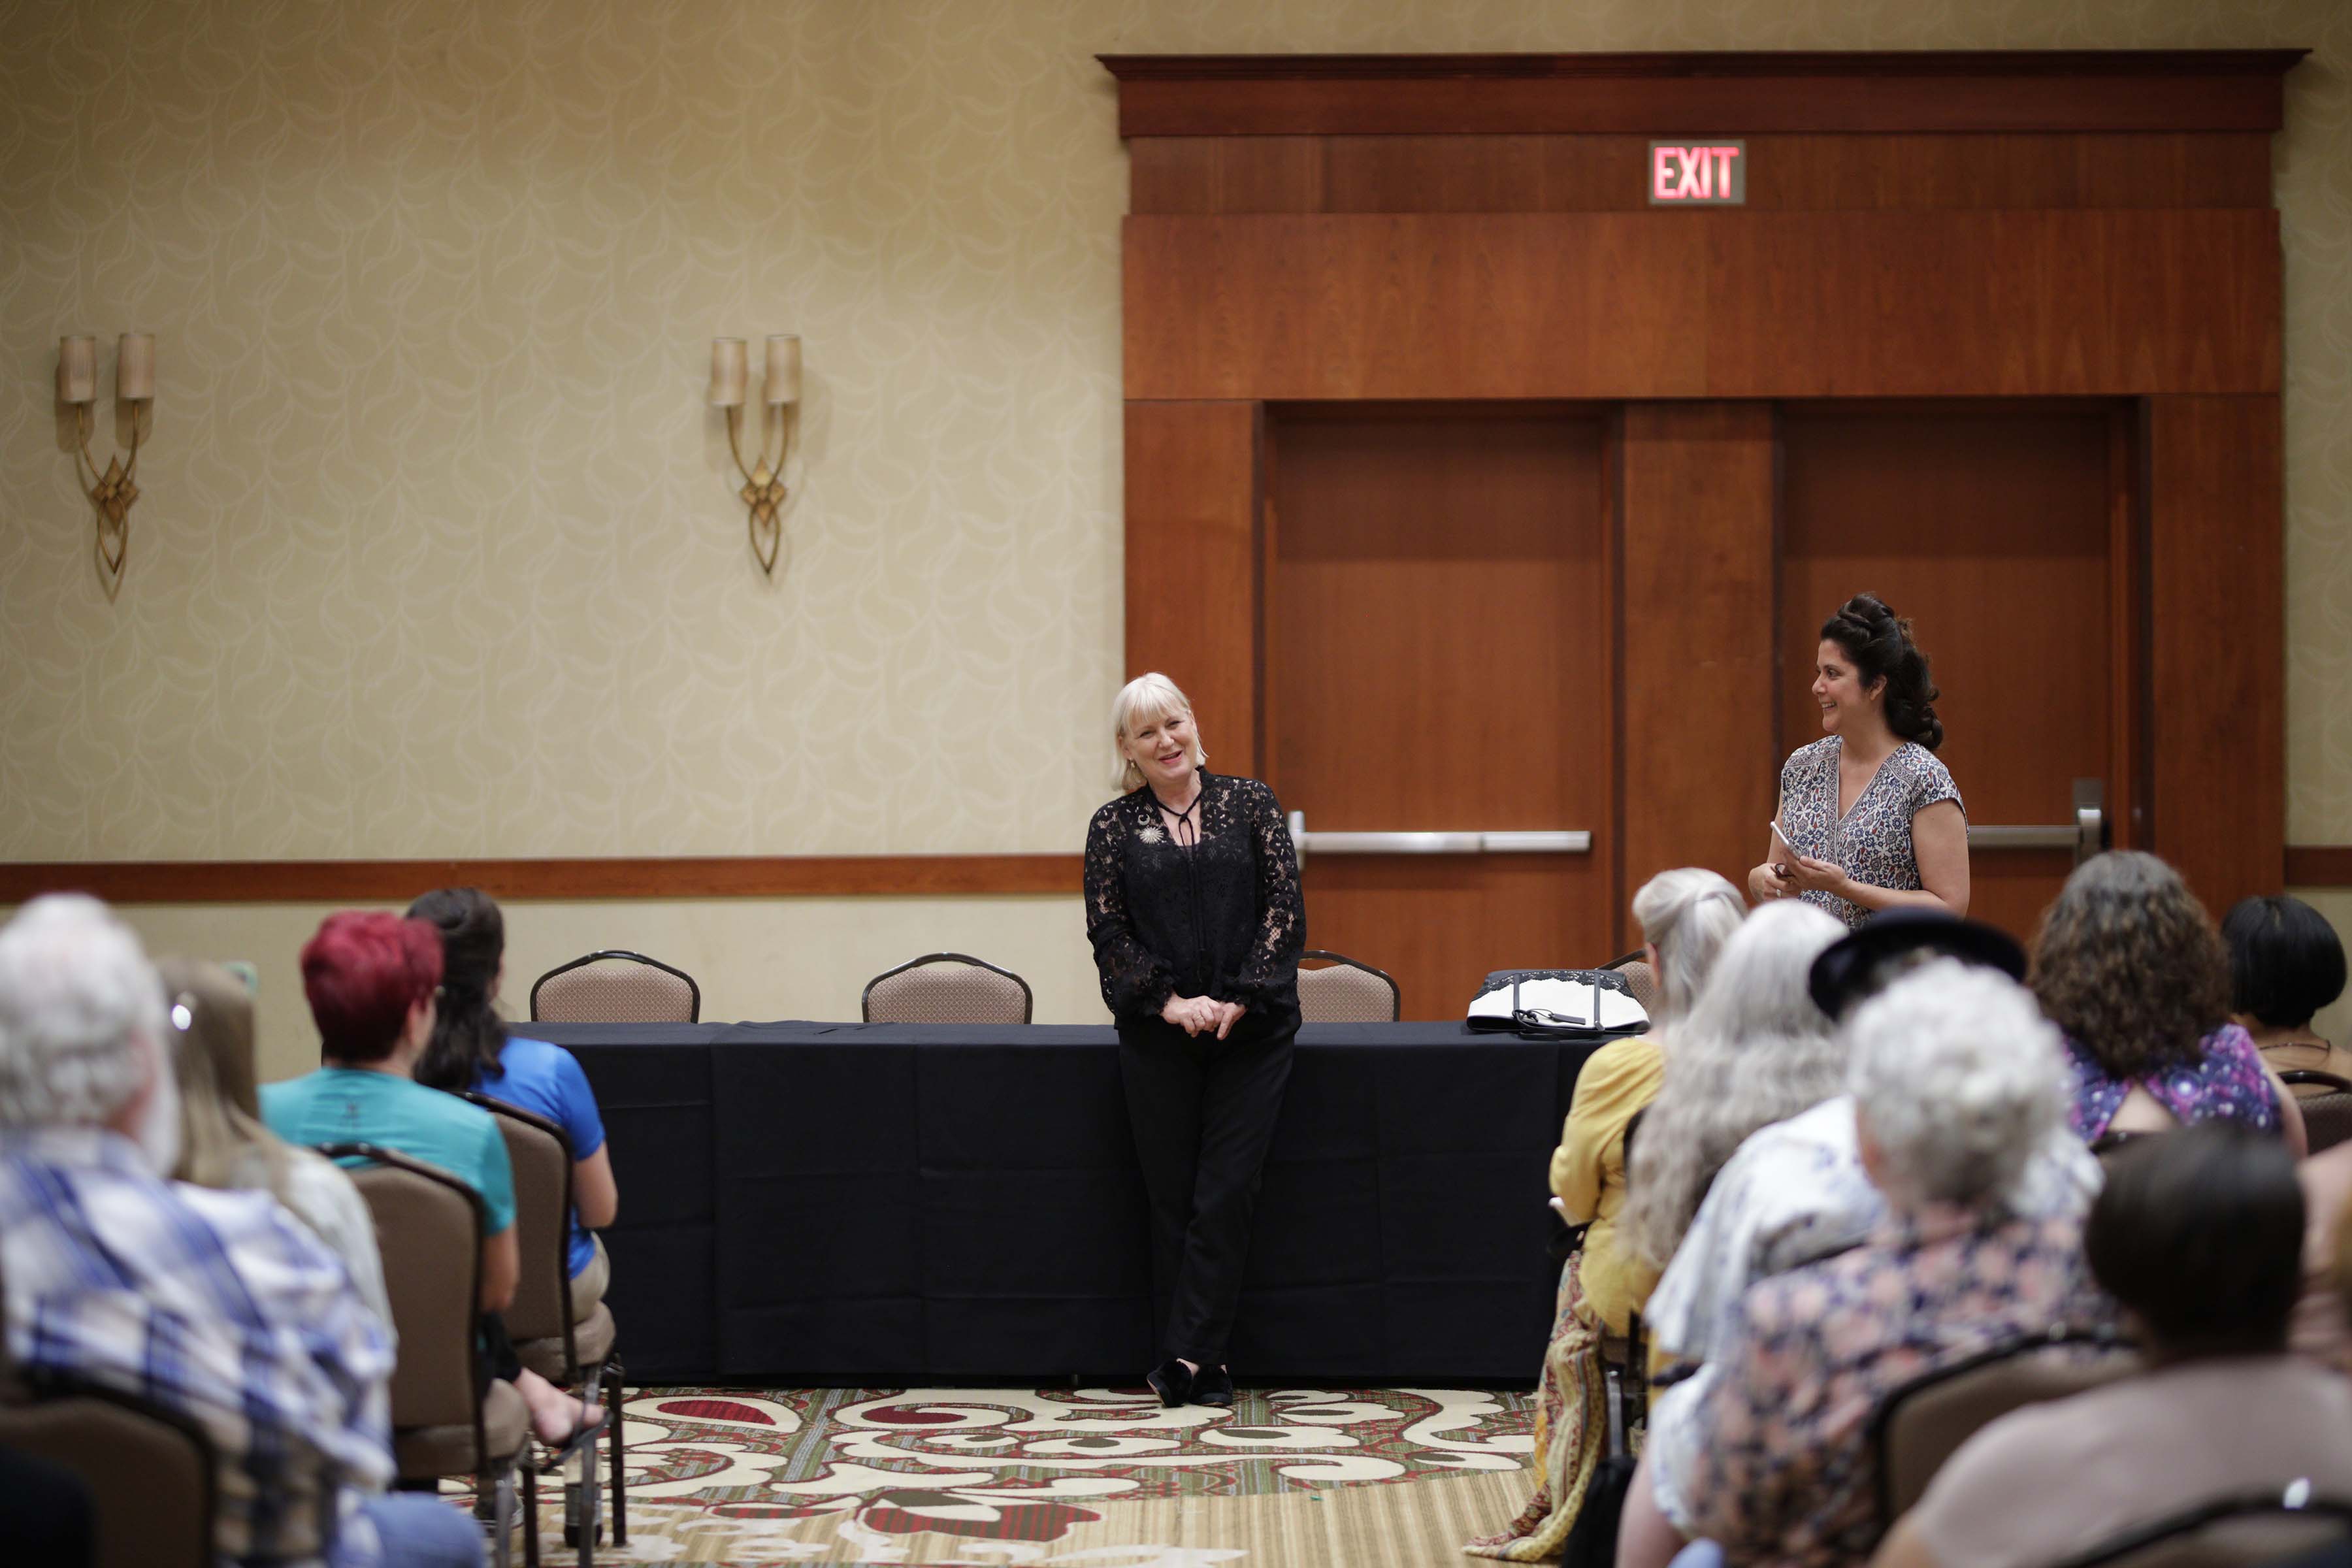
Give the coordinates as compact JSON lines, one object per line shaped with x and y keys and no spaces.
{"x":1783,"y":879}
{"x":1198,"y":1014}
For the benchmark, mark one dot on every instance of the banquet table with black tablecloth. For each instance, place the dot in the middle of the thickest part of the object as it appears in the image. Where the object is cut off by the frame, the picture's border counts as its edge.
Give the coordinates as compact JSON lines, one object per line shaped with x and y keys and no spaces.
{"x":846,"y":1204}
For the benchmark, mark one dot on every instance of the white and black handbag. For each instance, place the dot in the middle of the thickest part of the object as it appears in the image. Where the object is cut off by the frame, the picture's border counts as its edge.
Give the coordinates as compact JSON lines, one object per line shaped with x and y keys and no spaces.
{"x":1557,"y":1003}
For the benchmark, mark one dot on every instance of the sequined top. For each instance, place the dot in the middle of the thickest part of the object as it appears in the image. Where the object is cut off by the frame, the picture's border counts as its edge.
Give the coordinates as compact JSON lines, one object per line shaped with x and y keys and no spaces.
{"x":2225,"y":1082}
{"x":1222,"y":917}
{"x":1789,"y":1476}
{"x":1873,"y":840}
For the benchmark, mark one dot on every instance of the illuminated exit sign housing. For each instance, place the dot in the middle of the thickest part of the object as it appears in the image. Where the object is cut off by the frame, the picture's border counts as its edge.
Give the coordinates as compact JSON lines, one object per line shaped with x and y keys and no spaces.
{"x":1699,"y":173}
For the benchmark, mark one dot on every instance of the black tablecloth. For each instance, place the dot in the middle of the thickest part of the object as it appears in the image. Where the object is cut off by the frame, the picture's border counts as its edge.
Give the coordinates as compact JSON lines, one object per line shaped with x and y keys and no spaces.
{"x":881,"y":1202}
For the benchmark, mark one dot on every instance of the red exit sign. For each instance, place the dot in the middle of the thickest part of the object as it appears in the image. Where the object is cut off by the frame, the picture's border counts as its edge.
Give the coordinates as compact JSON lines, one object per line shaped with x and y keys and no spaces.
{"x":1699,"y":173}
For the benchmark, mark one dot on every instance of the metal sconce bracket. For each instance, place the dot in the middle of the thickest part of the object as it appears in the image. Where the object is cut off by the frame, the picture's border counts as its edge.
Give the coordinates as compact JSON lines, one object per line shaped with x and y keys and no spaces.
{"x":763,"y":490}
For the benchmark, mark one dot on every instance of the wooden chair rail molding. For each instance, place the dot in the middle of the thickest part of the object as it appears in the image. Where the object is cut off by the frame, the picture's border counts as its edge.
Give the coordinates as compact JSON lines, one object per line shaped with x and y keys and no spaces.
{"x":692,"y":876}
{"x":686,"y":876}
{"x":1676,"y":94}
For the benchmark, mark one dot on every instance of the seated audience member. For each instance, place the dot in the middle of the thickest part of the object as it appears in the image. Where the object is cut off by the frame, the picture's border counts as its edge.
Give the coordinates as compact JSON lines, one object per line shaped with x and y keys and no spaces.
{"x":1957,"y":1080}
{"x":2318,"y":1329}
{"x":471,"y":1049}
{"x":2198,"y":1235}
{"x":371,"y":980}
{"x":222,"y":1142}
{"x":1687,"y":916}
{"x":217,"y":1305}
{"x":1755,"y":1050}
{"x":2130,"y":965}
{"x":2286,"y":962}
{"x":1796,"y":1192}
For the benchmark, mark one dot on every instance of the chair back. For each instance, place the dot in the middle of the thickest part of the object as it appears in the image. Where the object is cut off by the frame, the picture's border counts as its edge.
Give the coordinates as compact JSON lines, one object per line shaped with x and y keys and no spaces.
{"x":2229,"y":1532}
{"x":425,"y":1221}
{"x":1343,"y":991}
{"x":2327,"y":1114}
{"x":947,"y":988}
{"x":150,"y":1471}
{"x":1922,"y":1423}
{"x":540,"y":1155}
{"x":615,"y":987}
{"x":1641,"y":981}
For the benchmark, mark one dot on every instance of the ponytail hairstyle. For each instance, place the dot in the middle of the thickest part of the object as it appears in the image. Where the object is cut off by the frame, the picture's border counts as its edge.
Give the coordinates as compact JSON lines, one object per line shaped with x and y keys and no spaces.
{"x":468,"y":1033}
{"x":1879,"y":643}
{"x":1687,"y":915}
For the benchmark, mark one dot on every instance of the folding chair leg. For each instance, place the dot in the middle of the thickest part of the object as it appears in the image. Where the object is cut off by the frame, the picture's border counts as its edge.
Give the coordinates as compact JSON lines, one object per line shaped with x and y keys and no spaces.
{"x":620,"y":1486}
{"x":529,"y":1509}
{"x":499,"y":1483}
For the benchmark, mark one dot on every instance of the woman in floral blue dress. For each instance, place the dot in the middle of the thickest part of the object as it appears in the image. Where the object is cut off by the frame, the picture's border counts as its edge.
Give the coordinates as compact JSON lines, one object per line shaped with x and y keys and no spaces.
{"x":1869,"y":819}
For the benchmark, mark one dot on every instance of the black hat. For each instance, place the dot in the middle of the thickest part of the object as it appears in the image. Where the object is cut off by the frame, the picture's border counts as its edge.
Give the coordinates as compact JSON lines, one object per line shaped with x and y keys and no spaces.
{"x":1844,"y":973}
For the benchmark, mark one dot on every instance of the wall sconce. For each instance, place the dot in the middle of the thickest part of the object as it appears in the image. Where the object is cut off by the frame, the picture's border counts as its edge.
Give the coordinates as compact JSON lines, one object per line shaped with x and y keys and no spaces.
{"x":764,"y":487}
{"x":114,"y":491}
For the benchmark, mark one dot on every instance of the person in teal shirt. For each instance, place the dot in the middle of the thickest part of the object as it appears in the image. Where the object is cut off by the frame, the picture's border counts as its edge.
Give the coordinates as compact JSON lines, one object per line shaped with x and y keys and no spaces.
{"x":371,"y":979}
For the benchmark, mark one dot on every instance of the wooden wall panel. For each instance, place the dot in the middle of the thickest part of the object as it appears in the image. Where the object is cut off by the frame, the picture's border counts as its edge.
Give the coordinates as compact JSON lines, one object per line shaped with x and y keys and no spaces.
{"x":1512,"y":305}
{"x":2217,"y":592}
{"x":1720,"y":304}
{"x":1194,"y":588}
{"x":1677,"y":94}
{"x":1606,"y":174}
{"x":677,"y":876}
{"x":1697,"y":742}
{"x":2010,"y":304}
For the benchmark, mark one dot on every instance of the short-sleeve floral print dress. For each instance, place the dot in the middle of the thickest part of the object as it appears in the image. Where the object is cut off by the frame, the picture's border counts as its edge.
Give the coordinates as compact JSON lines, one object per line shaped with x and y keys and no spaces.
{"x":1872,"y":841}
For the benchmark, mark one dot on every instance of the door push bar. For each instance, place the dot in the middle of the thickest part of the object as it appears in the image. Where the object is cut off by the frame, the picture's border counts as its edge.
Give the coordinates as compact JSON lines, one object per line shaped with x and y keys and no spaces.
{"x":2085,"y":836}
{"x":1577,"y":842}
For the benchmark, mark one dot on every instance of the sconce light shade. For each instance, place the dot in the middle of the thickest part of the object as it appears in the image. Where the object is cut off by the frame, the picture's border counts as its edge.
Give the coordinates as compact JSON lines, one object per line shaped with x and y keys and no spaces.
{"x":784,"y":382}
{"x":134,"y":367}
{"x":77,"y":370}
{"x":730,"y":367}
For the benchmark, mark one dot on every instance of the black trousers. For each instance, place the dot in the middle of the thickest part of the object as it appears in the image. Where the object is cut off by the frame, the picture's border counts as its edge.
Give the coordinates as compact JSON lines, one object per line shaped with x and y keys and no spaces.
{"x":1203,"y":1111}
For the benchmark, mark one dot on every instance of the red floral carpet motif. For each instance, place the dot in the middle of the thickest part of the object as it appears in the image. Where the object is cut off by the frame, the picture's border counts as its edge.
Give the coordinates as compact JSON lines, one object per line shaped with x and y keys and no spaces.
{"x":1020,"y":1465}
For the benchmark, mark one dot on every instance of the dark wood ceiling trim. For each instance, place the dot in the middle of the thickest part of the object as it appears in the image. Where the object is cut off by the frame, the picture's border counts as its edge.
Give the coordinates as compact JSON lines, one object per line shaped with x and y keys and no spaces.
{"x":687,"y":877}
{"x":1693,"y":94}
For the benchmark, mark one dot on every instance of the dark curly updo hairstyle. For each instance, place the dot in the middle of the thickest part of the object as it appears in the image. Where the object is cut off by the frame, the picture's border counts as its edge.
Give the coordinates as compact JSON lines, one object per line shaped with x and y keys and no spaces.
{"x":1879,"y":643}
{"x":468,"y":1033}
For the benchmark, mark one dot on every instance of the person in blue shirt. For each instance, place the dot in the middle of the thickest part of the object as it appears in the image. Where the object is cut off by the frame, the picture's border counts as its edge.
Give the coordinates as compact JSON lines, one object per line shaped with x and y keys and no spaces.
{"x":371,"y":979}
{"x":471,"y":1048}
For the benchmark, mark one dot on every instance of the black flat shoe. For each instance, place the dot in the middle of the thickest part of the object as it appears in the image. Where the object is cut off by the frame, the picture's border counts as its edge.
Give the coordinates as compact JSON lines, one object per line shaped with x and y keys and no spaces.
{"x":1172,"y":1382}
{"x":1214,"y":1385}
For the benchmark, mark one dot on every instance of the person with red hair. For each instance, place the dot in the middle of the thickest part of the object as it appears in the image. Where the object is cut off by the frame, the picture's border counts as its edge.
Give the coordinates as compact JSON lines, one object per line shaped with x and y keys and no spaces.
{"x":372,"y":980}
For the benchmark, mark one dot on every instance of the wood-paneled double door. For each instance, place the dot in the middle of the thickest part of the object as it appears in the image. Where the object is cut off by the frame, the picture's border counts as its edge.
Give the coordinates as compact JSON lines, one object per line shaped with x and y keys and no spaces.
{"x":1579,"y":638}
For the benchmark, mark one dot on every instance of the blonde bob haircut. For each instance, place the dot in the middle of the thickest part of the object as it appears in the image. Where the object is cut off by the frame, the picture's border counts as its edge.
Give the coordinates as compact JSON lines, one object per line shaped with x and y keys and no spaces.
{"x":1147,"y":699}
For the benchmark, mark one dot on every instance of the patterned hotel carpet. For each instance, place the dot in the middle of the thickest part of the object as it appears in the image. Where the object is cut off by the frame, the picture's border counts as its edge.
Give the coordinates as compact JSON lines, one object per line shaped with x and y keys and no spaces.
{"x":1085,"y":1477}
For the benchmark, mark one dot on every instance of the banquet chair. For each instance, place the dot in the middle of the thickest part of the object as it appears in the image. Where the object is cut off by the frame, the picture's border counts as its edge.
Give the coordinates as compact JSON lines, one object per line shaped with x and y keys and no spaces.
{"x":2326,"y":1116}
{"x":546,"y":1340}
{"x":440,"y":1425}
{"x":946,"y":988}
{"x":612,"y":986}
{"x":150,"y":1471}
{"x":1344,"y":991}
{"x":1922,"y":1423}
{"x":2229,"y":1532}
{"x":1640,"y":979}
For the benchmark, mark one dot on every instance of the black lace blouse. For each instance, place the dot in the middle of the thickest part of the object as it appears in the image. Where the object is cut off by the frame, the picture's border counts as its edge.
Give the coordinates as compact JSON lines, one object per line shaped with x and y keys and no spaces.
{"x":1221,"y":918}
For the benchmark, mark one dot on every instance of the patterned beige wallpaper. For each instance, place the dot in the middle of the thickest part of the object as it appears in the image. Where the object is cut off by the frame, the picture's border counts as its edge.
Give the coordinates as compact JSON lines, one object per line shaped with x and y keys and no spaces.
{"x":440,"y":554}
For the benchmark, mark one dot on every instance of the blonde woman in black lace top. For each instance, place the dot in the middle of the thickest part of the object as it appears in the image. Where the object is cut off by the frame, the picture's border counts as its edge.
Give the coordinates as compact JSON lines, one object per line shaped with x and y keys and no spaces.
{"x":1193,"y":910}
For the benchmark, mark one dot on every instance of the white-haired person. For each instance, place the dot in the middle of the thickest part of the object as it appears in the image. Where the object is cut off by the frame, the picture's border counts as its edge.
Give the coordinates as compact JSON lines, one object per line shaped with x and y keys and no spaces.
{"x":1794,"y":1192}
{"x":1756,"y":1048}
{"x":1957,"y":1080}
{"x":1194,"y":914}
{"x":1687,"y":916}
{"x":218,"y":1305}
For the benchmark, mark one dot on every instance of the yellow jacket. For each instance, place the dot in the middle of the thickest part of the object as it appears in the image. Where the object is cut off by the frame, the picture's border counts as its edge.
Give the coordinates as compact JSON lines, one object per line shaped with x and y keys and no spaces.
{"x":1588,"y":1173}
